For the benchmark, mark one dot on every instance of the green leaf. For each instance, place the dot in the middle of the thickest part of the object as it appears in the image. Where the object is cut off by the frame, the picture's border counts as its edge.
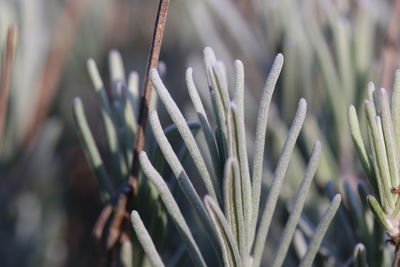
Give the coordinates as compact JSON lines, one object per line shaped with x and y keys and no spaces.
{"x":212,"y":185}
{"x":396,"y":108}
{"x":320,"y":231}
{"x":181,"y":176}
{"x":173,"y":209}
{"x":205,"y":125}
{"x":225,"y":235}
{"x":359,"y":144}
{"x":298,"y":205}
{"x":360,"y":256}
{"x":233,"y":201}
{"x":145,"y":240}
{"x":388,"y":133}
{"x":262,"y":119}
{"x":90,"y":149}
{"x":279,"y":175}
{"x":378,"y":212}
{"x":120,"y":169}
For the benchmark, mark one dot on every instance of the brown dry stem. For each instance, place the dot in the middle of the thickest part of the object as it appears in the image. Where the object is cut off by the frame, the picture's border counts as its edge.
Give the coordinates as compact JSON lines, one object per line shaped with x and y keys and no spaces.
{"x":120,"y":228}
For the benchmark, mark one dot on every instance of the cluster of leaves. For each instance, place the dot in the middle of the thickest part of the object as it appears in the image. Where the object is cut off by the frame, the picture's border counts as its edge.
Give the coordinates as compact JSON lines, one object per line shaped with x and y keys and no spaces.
{"x":119,"y":112}
{"x":380,"y":158}
{"x":230,"y":210}
{"x":331,"y":50}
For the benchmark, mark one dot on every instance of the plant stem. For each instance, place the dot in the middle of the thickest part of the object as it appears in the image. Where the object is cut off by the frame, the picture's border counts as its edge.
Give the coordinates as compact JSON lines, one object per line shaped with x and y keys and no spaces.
{"x":152,"y":62}
{"x":124,"y":202}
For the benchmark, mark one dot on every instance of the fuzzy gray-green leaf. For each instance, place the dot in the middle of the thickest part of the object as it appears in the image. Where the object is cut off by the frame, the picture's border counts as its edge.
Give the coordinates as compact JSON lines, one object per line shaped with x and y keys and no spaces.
{"x":90,"y":149}
{"x":225,"y":234}
{"x":201,"y":114}
{"x":360,"y":256}
{"x":262,"y":118}
{"x":145,"y":240}
{"x":295,"y":213}
{"x":238,"y":151}
{"x":396,"y":108}
{"x":180,"y":174}
{"x":211,"y":184}
{"x":320,"y":231}
{"x":380,"y":154}
{"x":279,"y":175}
{"x":234,"y":205}
{"x":116,"y":67}
{"x":173,"y":209}
{"x":119,"y":165}
{"x":359,"y":143}
{"x":388,"y":133}
{"x":377,"y":211}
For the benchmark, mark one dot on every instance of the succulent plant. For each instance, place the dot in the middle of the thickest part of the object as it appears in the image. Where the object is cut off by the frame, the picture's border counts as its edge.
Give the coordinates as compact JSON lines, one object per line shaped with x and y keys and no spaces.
{"x":380,"y":157}
{"x":230,"y":212}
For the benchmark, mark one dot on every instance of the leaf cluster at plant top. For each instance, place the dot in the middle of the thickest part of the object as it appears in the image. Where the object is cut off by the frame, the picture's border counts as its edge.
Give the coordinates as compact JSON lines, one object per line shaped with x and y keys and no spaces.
{"x":380,"y":159}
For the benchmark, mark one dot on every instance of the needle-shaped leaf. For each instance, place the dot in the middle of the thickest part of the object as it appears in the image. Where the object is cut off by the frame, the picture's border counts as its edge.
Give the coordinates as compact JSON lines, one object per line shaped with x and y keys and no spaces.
{"x":145,"y":240}
{"x":238,"y":116}
{"x":205,"y":124}
{"x":378,"y":212}
{"x":219,"y":83}
{"x":277,"y":181}
{"x":237,"y":149}
{"x":353,"y":205}
{"x":180,"y":174}
{"x":212,"y":185}
{"x":233,"y":201}
{"x":262,"y":118}
{"x":90,"y":149}
{"x":126,"y":254}
{"x":320,"y":231}
{"x":360,"y":256}
{"x":380,"y":153}
{"x":116,"y":67}
{"x":220,"y":109}
{"x":133,"y":89}
{"x":172,"y":208}
{"x":225,"y":235}
{"x":119,"y":165}
{"x":359,"y":144}
{"x":388,"y":133}
{"x":295,"y":213}
{"x":396,"y":108}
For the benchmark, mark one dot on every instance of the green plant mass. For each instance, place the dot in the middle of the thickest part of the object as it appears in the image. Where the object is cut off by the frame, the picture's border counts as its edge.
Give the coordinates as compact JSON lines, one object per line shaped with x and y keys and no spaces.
{"x":115,"y":153}
{"x":229,"y":214}
{"x":380,"y":159}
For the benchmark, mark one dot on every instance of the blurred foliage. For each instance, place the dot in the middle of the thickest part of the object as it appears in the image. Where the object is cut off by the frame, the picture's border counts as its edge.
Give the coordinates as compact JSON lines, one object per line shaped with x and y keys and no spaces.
{"x":332,"y":49}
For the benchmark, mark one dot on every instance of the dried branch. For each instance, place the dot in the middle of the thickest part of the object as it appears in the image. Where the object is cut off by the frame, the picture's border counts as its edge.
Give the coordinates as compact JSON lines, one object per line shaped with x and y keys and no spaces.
{"x":152,"y":62}
{"x":119,"y":230}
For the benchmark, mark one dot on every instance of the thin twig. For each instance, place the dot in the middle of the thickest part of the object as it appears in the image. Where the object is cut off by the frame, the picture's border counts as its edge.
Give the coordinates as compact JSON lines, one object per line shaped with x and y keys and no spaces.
{"x":120,"y":231}
{"x":62,"y":39}
{"x":152,"y":62}
{"x":8,"y":57}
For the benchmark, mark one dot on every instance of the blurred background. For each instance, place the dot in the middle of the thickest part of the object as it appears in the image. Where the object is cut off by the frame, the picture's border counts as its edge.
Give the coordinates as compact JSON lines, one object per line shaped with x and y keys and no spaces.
{"x":48,"y":194}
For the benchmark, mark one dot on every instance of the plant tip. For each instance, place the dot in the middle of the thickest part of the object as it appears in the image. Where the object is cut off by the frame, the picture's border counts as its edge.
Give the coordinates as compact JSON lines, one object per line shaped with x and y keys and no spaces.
{"x":238,"y":62}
